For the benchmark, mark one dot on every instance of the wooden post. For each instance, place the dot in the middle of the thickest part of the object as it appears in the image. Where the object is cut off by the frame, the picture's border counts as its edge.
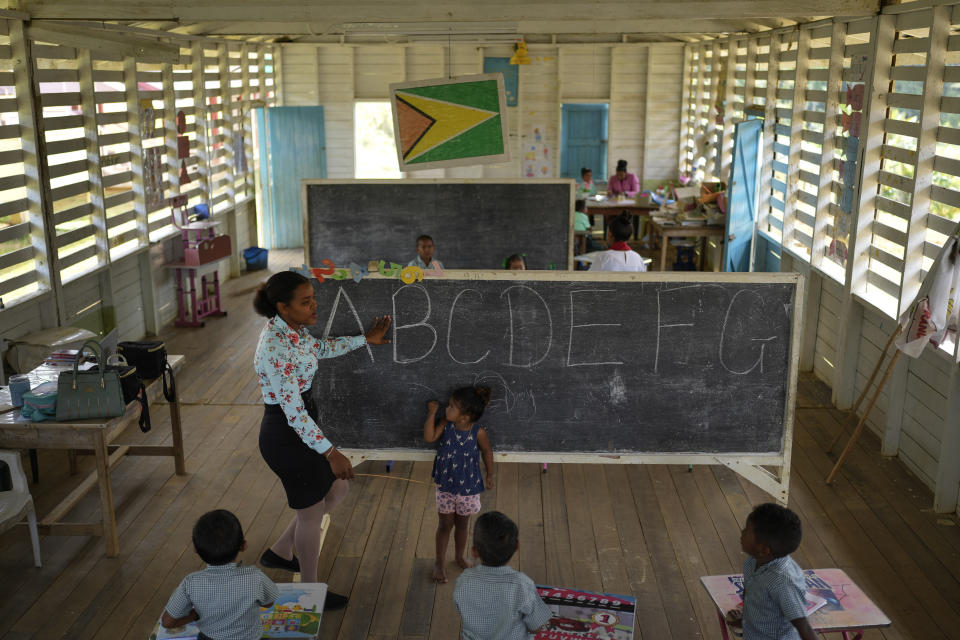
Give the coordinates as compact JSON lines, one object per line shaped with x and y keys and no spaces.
{"x":796,"y":138}
{"x":107,"y":515}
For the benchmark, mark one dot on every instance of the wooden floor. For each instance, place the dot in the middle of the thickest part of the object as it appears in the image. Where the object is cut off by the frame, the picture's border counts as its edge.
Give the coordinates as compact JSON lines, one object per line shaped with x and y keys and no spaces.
{"x":649,"y":531}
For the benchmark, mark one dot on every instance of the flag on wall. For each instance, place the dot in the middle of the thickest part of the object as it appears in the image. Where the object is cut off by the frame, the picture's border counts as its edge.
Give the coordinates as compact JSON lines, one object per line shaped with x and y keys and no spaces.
{"x":934,"y":315}
{"x":445,"y":122}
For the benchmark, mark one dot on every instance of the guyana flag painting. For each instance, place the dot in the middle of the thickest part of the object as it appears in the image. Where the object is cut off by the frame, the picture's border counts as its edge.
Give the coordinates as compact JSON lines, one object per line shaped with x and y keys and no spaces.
{"x":450,"y":122}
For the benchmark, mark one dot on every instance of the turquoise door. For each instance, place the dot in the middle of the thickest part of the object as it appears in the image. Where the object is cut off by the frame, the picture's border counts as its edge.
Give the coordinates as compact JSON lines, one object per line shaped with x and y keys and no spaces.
{"x":293,"y":148}
{"x":583,"y":140}
{"x":742,"y":200}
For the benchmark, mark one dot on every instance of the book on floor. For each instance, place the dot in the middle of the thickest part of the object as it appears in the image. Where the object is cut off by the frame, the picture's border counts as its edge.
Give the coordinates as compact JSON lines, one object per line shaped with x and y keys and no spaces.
{"x":586,"y":614}
{"x":295,"y":614}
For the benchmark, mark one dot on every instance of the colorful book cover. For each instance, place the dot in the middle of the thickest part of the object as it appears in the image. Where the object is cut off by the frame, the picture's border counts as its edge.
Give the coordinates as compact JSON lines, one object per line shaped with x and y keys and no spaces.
{"x":586,"y":615}
{"x":295,"y":614}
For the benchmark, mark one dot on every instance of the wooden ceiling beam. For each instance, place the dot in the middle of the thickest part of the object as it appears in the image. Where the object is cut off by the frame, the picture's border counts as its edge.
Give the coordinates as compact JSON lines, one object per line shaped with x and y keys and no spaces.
{"x":189,"y":11}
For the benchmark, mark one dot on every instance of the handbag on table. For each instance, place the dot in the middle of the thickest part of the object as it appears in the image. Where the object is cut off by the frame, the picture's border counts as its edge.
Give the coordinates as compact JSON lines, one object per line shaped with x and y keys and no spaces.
{"x":150,"y":359}
{"x":95,"y":393}
{"x":132,"y":386}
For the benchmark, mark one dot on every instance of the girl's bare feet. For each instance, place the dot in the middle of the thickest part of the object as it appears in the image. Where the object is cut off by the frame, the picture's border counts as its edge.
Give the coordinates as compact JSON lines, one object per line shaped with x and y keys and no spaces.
{"x":439,"y":575}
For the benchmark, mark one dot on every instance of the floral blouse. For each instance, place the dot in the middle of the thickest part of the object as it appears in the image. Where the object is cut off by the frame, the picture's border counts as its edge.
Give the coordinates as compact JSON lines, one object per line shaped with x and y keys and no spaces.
{"x":285,"y":362}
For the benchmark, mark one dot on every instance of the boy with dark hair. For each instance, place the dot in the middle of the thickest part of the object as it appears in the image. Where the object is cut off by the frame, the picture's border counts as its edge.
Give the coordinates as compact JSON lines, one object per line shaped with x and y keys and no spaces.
{"x":424,"y":259}
{"x":774,"y":606}
{"x":495,"y":601}
{"x":225,"y":598}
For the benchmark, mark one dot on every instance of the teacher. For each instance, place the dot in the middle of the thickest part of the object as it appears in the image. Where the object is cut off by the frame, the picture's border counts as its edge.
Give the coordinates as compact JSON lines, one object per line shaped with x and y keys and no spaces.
{"x":313,"y":473}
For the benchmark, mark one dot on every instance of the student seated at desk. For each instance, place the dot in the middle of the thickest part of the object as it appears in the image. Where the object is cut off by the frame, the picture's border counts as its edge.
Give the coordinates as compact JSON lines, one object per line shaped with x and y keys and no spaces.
{"x":424,"y":259}
{"x":225,"y":598}
{"x":622,"y":182}
{"x":774,"y":605}
{"x":515,"y":262}
{"x":581,"y":222}
{"x":619,"y":257}
{"x":585,"y":185}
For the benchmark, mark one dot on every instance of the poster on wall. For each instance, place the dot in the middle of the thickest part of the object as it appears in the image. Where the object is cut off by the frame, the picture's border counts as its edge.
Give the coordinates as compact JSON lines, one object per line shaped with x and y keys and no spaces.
{"x":537,"y":156}
{"x":851,"y":117}
{"x":449,"y":123}
{"x":153,"y":177}
{"x":511,"y":77}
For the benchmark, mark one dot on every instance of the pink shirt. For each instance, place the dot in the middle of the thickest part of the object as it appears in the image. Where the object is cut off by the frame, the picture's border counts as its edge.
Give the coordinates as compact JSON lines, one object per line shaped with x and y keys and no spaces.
{"x":629,"y":185}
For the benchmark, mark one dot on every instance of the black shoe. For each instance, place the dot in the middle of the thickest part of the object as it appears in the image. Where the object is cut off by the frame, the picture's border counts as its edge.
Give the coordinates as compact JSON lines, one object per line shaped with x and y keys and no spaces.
{"x":335,"y":601}
{"x":273,"y":561}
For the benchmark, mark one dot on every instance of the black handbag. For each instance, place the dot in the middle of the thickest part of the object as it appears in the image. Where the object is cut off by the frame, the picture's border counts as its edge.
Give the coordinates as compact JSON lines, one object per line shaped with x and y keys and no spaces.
{"x":150,"y":359}
{"x":132,"y":386}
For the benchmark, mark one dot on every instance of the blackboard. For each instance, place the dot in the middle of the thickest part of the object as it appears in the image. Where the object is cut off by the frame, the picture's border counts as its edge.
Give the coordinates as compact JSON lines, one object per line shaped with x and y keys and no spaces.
{"x":474,"y":224}
{"x":578,"y":362}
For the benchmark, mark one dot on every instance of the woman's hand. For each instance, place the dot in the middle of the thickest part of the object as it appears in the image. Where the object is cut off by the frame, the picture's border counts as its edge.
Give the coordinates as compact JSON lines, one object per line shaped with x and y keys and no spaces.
{"x":377,"y":332}
{"x":340,"y":465}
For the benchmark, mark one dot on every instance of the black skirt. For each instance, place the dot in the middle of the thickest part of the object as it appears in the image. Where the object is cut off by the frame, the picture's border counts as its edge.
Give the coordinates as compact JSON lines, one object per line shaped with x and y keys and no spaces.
{"x":306,"y":475}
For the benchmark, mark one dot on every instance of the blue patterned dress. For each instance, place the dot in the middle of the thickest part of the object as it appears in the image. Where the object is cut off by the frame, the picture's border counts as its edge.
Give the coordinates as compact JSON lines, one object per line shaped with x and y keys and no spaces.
{"x":456,"y":469}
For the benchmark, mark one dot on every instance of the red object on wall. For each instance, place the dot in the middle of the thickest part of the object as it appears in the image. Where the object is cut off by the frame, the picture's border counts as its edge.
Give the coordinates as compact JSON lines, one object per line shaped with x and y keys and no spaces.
{"x":181,"y":122}
{"x":184,"y":176}
{"x":208,"y":250}
{"x":183,"y":147}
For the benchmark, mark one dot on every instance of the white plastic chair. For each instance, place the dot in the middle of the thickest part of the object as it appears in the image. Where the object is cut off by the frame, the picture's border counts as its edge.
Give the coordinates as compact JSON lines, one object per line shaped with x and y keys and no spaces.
{"x":14,"y":504}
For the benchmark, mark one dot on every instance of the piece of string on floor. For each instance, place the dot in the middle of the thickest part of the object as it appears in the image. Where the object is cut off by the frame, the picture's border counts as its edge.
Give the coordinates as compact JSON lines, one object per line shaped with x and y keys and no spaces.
{"x":377,"y":475}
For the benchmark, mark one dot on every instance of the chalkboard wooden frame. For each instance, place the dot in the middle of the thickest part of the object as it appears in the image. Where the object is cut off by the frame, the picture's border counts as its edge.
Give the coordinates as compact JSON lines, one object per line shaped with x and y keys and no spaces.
{"x":749,"y":465}
{"x":428,"y":181}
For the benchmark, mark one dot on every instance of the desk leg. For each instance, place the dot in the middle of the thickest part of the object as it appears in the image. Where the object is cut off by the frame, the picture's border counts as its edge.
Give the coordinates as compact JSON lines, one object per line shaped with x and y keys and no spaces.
{"x":107,"y":516}
{"x":175,"y":429}
{"x":857,"y":634}
{"x":723,"y":626}
{"x":664,"y":242}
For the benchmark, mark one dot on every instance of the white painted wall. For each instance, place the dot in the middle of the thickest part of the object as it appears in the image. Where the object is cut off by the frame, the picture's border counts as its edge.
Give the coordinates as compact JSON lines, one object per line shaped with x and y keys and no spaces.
{"x":336,"y":76}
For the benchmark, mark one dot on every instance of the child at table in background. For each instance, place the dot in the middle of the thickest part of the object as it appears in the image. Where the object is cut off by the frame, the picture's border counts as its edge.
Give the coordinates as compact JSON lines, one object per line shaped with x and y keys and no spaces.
{"x":495,"y":601}
{"x":619,"y":256}
{"x":581,"y":222}
{"x":225,"y":597}
{"x":774,"y":604}
{"x":515,"y":262}
{"x":424,"y":259}
{"x":585,"y":186}
{"x":456,"y":468}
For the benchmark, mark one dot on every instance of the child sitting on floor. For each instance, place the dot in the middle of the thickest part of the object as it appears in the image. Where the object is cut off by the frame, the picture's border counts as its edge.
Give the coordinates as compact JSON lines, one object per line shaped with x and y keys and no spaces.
{"x":774,"y":606}
{"x":495,"y":601}
{"x":224,"y":598}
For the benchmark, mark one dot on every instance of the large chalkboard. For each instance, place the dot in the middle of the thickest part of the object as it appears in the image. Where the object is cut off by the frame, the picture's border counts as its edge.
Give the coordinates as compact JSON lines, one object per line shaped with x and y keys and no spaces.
{"x":628,"y":363}
{"x":475,"y":224}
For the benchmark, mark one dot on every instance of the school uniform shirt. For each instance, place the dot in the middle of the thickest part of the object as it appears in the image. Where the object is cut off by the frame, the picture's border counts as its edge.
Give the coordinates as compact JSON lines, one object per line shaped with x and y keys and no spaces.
{"x":581,"y":221}
{"x":285,"y":362}
{"x":629,"y":185}
{"x":418,"y":262}
{"x":227,"y":597}
{"x":619,"y":257}
{"x":773,"y":595}
{"x":586,"y":189}
{"x":498,"y":603}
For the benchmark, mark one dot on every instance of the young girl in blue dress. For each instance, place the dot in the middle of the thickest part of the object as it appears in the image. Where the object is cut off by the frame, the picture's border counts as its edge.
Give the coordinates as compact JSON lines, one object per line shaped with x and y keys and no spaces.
{"x":456,"y":469}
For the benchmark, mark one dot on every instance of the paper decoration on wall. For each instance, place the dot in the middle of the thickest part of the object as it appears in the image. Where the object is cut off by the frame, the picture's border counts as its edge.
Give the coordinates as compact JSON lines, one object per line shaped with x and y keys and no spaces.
{"x":148,"y":119}
{"x":537,"y":156}
{"x":851,"y":119}
{"x":448,"y":123}
{"x":511,"y":77}
{"x":239,"y":152}
{"x":153,"y":177}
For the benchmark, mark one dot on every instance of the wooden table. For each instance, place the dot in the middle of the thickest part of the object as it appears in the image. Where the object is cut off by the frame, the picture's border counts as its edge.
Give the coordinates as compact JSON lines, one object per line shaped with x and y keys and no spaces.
{"x":680,"y":231}
{"x":96,"y":437}
{"x":848,"y":609}
{"x":612,"y":208}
